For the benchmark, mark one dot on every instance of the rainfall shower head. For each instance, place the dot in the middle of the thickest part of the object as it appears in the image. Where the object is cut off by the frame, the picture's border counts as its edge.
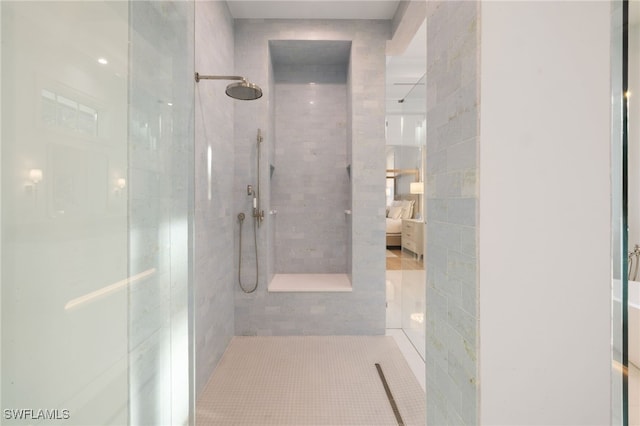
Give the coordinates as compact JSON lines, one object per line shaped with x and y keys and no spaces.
{"x":243,"y":90}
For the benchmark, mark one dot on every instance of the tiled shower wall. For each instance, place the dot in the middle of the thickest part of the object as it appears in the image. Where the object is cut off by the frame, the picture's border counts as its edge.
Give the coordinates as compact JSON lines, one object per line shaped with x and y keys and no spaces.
{"x":310,"y":186}
{"x":363,"y":310}
{"x":214,"y":214}
{"x":452,"y":196}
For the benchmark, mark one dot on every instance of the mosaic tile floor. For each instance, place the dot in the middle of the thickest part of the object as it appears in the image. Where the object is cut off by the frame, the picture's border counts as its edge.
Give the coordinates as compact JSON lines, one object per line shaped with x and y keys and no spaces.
{"x":309,"y":380}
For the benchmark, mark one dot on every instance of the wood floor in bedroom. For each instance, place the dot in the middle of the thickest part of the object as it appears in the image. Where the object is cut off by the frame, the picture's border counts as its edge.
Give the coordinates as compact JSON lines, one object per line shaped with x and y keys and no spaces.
{"x":401,"y":259}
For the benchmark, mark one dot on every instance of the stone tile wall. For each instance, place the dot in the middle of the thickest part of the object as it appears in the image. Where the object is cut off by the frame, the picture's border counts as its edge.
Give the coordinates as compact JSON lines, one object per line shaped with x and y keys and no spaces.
{"x":215,"y":273}
{"x":452,"y":197}
{"x":310,"y":185}
{"x":363,"y":310}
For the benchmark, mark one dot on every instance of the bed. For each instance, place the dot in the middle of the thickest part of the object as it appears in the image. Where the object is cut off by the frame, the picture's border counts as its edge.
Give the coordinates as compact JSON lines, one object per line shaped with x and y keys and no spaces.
{"x":394,"y":232}
{"x":398,"y":210}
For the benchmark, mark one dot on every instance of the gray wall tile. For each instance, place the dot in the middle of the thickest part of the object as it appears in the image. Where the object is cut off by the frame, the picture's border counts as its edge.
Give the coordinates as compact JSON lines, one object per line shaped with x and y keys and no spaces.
{"x":452,"y":123}
{"x":310,"y":186}
{"x":214,"y":274}
{"x":363,"y":310}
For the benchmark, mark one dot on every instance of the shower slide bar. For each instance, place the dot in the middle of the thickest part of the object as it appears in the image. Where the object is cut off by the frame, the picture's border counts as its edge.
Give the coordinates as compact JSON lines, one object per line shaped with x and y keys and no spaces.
{"x":258,"y":216}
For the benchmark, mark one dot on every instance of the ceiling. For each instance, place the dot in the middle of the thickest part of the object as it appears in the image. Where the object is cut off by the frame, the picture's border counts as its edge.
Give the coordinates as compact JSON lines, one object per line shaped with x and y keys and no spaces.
{"x":404,"y":71}
{"x":313,"y":9}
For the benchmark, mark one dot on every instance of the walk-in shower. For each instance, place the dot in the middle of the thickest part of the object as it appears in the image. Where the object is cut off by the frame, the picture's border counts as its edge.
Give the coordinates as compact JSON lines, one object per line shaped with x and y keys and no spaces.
{"x":243,"y":90}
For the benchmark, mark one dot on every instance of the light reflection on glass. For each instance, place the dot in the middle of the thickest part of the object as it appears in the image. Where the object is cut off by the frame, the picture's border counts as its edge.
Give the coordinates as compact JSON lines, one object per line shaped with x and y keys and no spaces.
{"x":107,"y":290}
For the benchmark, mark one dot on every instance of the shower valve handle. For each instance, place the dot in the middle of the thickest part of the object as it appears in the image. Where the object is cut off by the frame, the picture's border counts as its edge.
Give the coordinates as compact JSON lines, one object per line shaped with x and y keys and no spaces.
{"x":258,"y":214}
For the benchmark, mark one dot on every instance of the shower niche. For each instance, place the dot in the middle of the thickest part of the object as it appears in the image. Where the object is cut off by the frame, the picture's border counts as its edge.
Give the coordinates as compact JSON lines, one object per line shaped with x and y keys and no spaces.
{"x":310,"y":182}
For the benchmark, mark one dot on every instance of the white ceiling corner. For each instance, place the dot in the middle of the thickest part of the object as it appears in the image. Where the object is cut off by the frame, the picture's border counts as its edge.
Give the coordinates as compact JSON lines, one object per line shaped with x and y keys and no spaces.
{"x":313,"y":9}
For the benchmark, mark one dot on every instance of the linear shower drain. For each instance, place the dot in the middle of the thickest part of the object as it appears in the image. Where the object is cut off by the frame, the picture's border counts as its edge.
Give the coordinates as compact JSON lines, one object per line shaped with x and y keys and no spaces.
{"x":394,"y":407}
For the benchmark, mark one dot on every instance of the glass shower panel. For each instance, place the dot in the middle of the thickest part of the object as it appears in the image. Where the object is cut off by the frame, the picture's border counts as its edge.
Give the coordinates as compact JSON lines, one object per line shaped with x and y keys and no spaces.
{"x":618,"y":227}
{"x":161,"y":201}
{"x":64,"y":213}
{"x":414,"y":109}
{"x":97,"y":190}
{"x":626,"y":211}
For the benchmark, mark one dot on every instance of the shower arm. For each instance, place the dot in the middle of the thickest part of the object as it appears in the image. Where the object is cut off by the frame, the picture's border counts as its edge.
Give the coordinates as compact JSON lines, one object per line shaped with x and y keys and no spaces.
{"x":199,"y":77}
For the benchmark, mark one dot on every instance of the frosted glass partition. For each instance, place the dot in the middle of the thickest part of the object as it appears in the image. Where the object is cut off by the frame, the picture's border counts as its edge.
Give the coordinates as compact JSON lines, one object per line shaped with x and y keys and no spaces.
{"x":64,"y":212}
{"x":96,"y":156}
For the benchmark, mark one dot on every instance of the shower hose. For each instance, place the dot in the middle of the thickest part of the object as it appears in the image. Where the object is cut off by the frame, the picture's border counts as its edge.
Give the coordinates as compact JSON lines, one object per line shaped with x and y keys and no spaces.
{"x":634,"y":263}
{"x":255,"y":240}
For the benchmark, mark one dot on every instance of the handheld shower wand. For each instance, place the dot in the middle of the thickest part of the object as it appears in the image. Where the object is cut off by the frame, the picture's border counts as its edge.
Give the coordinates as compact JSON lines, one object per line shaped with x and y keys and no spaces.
{"x":251,"y":192}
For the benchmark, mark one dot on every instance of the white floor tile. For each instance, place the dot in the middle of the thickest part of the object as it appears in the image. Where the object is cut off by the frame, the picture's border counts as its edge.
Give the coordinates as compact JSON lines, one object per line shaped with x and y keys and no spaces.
{"x":309,"y":380}
{"x":415,"y":361}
